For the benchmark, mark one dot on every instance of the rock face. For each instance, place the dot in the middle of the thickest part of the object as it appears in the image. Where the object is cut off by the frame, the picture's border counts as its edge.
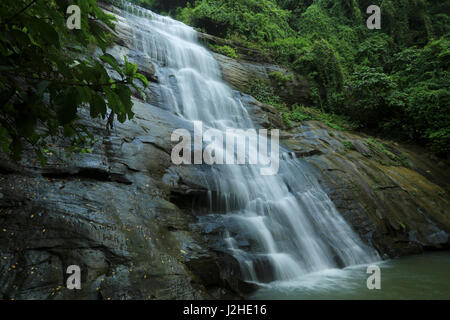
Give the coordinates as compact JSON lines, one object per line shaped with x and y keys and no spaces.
{"x":241,"y":73}
{"x":107,"y":212}
{"x":251,"y":67}
{"x":394,"y":196}
{"x":111,"y":213}
{"x":129,"y":218}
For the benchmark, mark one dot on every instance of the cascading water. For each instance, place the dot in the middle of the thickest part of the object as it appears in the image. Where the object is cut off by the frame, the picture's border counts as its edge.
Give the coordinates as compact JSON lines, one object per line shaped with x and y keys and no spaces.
{"x":278,"y":227}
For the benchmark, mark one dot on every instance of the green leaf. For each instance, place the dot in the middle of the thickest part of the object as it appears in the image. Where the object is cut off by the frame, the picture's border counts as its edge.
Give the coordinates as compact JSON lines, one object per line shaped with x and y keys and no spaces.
{"x":43,"y":31}
{"x":109,"y":59}
{"x":143,"y":79}
{"x":67,"y":104}
{"x":97,"y":106}
{"x":124,"y":94}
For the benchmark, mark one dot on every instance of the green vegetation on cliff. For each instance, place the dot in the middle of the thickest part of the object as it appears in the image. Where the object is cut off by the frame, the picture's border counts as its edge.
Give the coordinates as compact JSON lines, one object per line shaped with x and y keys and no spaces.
{"x":394,"y":81}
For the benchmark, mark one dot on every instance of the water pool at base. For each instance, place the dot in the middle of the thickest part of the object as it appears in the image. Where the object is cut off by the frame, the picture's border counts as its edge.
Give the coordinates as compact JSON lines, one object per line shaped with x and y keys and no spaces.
{"x":425,"y":276}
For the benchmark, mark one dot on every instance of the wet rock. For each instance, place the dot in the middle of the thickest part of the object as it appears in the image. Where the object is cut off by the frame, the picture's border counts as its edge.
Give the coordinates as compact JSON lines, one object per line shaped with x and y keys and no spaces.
{"x":361,"y":148}
{"x":133,"y":222}
{"x":109,"y":212}
{"x":398,"y":207}
{"x":310,"y":153}
{"x":266,"y":116}
{"x":437,"y":239}
{"x":145,"y":65}
{"x":241,"y":74}
{"x":205,"y":267}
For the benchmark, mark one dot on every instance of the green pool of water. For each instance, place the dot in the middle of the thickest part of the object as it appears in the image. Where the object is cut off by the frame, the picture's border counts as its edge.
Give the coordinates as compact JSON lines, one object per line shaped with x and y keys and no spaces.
{"x":424,"y":276}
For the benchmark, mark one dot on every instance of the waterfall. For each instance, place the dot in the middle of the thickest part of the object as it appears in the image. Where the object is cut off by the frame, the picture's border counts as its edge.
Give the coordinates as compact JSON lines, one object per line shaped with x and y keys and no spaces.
{"x":278,"y":227}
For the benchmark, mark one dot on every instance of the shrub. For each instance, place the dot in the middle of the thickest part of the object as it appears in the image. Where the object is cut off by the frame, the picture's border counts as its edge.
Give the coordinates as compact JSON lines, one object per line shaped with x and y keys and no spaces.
{"x":225,"y":50}
{"x":348,"y":145}
{"x":281,"y":80}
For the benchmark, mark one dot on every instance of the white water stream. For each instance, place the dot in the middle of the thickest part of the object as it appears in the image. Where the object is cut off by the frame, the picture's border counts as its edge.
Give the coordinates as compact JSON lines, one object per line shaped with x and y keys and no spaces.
{"x":279,"y":227}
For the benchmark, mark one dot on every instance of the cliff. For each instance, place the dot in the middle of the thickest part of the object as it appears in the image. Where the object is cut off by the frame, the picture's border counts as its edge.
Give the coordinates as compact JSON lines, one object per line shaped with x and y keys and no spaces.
{"x":129,"y":218}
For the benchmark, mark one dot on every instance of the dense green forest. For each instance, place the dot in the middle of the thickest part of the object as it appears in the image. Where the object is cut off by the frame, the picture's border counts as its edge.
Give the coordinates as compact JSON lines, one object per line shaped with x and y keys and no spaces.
{"x":393,"y":82}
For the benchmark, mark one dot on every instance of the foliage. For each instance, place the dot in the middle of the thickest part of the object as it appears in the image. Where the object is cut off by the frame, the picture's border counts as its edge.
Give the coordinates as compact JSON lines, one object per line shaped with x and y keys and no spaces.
{"x":261,"y":91}
{"x":348,"y":145}
{"x":225,"y":50}
{"x":252,"y":20}
{"x":424,"y":77}
{"x":302,"y":113}
{"x":392,"y":82}
{"x":366,"y":96}
{"x":48,"y":74}
{"x":281,"y":79}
